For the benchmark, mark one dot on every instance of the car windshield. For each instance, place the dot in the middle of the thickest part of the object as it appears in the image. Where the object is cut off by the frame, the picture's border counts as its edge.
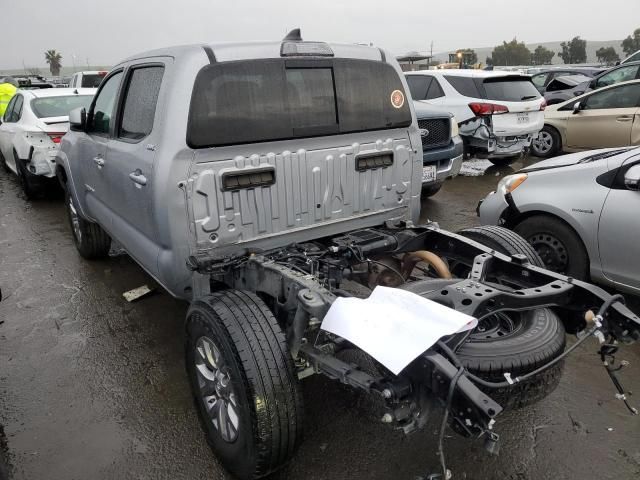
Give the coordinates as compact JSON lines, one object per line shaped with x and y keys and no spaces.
{"x":510,"y":89}
{"x":258,"y":101}
{"x":59,"y":106}
{"x":91,"y":80}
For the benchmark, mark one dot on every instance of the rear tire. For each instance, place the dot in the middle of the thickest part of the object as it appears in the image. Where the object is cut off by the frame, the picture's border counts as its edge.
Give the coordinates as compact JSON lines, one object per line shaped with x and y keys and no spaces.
{"x":431,"y":190}
{"x":504,"y":241}
{"x":558,"y":245}
{"x":248,"y":370}
{"x":547,"y":144}
{"x":89,"y":238}
{"x":30,"y":188}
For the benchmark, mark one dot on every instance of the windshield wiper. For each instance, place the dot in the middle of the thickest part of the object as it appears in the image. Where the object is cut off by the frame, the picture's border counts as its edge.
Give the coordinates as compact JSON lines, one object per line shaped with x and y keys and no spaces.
{"x":529,"y":97}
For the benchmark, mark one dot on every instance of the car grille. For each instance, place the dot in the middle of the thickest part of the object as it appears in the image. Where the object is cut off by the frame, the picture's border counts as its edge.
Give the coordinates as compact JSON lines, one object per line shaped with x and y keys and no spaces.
{"x":434,"y":132}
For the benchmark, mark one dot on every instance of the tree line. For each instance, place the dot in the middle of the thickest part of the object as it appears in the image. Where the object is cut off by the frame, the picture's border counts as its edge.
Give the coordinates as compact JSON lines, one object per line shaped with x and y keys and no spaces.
{"x":572,"y":51}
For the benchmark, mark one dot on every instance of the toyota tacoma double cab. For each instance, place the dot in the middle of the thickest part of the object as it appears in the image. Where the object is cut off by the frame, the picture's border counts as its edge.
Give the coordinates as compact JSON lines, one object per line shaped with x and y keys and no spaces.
{"x":269,"y":183}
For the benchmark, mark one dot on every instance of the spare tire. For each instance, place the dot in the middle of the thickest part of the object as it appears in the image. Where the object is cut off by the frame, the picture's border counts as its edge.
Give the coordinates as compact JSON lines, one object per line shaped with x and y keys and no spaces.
{"x":510,"y":342}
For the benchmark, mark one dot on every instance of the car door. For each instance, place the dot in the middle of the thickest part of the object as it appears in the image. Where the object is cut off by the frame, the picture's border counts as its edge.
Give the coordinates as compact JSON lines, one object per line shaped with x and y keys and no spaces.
{"x":605,"y":118}
{"x":129,"y":164}
{"x":618,"y":234}
{"x":92,"y":149}
{"x":10,"y":128}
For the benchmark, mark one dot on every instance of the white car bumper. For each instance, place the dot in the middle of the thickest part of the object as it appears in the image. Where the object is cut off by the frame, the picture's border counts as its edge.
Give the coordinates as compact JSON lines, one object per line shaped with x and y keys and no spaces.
{"x":43,"y":162}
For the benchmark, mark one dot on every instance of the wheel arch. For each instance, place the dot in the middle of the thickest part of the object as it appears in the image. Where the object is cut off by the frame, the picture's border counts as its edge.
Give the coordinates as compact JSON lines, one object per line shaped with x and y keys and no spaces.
{"x":563,"y":140}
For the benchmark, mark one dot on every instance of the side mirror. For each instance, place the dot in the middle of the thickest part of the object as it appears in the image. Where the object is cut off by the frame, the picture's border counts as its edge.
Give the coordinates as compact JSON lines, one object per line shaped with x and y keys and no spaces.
{"x":577,"y":107}
{"x":593,"y":84}
{"x":632,"y":178}
{"x":578,"y":93}
{"x":78,"y":119}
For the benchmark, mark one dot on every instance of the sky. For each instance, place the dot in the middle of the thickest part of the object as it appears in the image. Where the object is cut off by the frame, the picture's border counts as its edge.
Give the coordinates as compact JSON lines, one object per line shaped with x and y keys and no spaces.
{"x":104,"y":32}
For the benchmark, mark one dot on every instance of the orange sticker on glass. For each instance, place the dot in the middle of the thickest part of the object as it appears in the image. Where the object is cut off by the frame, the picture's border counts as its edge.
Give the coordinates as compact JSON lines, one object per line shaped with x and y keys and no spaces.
{"x":397,"y":99}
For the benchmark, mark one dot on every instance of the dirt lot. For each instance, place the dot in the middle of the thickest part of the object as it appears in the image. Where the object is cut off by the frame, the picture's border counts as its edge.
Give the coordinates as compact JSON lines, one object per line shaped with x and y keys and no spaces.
{"x":93,"y":387}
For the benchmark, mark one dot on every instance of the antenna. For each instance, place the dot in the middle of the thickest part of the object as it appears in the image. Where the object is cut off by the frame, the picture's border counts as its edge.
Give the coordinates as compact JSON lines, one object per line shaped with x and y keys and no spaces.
{"x":293,"y":36}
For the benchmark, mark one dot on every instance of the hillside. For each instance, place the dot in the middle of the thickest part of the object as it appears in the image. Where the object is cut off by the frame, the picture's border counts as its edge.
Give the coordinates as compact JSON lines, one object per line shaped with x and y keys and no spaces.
{"x":592,"y":46}
{"x":44,"y":70}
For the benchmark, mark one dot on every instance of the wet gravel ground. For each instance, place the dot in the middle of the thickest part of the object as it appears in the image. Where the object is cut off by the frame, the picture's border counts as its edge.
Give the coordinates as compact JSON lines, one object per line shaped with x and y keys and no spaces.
{"x":93,"y":387}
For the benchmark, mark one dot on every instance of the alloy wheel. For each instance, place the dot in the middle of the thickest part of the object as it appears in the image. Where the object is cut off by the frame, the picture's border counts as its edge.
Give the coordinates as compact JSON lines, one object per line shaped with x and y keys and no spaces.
{"x":544,"y":143}
{"x":216,"y":389}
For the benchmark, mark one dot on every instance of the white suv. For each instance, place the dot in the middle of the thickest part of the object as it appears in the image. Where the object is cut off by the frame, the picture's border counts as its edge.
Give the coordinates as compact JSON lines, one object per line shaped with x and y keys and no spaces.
{"x":87,"y":79}
{"x":499,"y":113}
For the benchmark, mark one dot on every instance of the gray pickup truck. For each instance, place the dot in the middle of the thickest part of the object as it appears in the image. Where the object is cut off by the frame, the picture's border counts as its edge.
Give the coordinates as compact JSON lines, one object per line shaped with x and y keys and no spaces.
{"x":266,"y":183}
{"x":442,"y":147}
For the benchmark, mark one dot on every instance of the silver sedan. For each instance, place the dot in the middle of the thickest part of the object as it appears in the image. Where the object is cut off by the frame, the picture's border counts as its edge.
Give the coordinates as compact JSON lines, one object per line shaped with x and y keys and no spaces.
{"x":580,"y":213}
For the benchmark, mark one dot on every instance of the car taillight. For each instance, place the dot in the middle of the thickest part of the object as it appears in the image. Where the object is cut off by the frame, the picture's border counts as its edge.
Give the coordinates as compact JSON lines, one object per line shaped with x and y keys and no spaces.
{"x":56,"y":137}
{"x":102,"y":74}
{"x":480,"y":109}
{"x":543,"y":105}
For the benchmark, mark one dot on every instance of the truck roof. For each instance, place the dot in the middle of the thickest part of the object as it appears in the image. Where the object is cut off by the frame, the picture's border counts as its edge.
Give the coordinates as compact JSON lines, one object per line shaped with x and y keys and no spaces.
{"x":225,"y":52}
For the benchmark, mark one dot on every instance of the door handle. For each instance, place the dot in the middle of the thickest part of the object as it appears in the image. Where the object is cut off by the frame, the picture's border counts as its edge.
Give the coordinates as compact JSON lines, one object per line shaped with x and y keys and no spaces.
{"x":99,"y":161}
{"x":138,"y":177}
{"x":624,"y":118}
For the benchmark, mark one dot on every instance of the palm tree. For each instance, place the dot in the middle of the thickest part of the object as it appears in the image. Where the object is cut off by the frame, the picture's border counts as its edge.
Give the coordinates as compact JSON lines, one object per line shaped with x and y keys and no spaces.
{"x":53,"y":58}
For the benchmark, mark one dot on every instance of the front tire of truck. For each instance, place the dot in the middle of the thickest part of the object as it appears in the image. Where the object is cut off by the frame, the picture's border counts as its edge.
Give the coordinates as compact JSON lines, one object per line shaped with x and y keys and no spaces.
{"x":89,"y":238}
{"x":244,"y":383}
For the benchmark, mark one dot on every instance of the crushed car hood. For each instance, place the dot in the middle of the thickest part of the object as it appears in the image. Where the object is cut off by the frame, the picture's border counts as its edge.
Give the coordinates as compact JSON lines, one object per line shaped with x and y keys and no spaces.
{"x":574,"y":159}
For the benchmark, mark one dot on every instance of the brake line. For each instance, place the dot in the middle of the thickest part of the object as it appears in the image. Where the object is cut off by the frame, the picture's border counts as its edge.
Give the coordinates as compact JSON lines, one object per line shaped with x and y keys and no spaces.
{"x":597,"y":319}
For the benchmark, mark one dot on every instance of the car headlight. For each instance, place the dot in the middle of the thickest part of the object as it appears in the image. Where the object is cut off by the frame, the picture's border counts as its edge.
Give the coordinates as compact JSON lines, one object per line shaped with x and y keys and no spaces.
{"x":509,"y":183}
{"x":454,"y":127}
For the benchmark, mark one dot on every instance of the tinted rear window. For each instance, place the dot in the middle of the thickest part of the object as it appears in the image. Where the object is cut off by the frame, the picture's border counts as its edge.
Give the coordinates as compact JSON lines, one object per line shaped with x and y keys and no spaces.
{"x":510,"y":89}
{"x":418,"y":86}
{"x":59,"y":106}
{"x":264,"y":100}
{"x":464,"y":86}
{"x":91,"y":80}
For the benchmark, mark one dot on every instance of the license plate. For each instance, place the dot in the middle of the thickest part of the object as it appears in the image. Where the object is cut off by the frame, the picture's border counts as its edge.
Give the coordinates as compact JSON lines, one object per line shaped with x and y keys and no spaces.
{"x":523,"y":117}
{"x":429,"y":173}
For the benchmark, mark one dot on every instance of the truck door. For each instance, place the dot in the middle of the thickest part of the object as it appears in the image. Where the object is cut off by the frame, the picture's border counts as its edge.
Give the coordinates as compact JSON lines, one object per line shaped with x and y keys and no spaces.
{"x":129,"y":163}
{"x":92,"y":149}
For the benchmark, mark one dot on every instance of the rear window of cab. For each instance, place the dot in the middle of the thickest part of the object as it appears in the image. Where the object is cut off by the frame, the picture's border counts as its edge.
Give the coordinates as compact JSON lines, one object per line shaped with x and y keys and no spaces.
{"x":277,"y":99}
{"x":502,"y":88}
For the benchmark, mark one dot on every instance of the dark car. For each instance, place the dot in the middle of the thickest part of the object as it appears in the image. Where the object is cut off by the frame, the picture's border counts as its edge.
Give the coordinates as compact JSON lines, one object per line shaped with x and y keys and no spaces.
{"x":544,"y":77}
{"x":617,"y":74}
{"x":562,"y":88}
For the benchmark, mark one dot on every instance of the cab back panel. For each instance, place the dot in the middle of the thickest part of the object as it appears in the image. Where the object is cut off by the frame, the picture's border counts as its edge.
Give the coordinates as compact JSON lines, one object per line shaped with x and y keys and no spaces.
{"x":312,"y":187}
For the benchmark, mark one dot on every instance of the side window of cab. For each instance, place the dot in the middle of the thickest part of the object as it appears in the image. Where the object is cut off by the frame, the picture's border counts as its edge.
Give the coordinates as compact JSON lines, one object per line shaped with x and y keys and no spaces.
{"x":140,"y":97}
{"x":100,"y":118}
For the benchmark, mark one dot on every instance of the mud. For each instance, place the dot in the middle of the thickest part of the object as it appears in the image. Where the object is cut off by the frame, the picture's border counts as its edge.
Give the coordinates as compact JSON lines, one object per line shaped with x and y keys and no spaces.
{"x":93,"y":387}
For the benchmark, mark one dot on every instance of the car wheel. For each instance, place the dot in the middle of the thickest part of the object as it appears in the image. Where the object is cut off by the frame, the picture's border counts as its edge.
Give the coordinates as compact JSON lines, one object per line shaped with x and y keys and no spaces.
{"x":5,"y":165}
{"x":431,"y":190}
{"x":547,"y":144}
{"x":244,"y":383}
{"x":90,"y":239}
{"x":560,"y":248}
{"x":30,"y":188}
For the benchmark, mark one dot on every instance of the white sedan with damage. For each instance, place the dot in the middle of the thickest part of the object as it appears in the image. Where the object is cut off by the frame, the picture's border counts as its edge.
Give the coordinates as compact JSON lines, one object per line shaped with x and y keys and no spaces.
{"x":32,"y":128}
